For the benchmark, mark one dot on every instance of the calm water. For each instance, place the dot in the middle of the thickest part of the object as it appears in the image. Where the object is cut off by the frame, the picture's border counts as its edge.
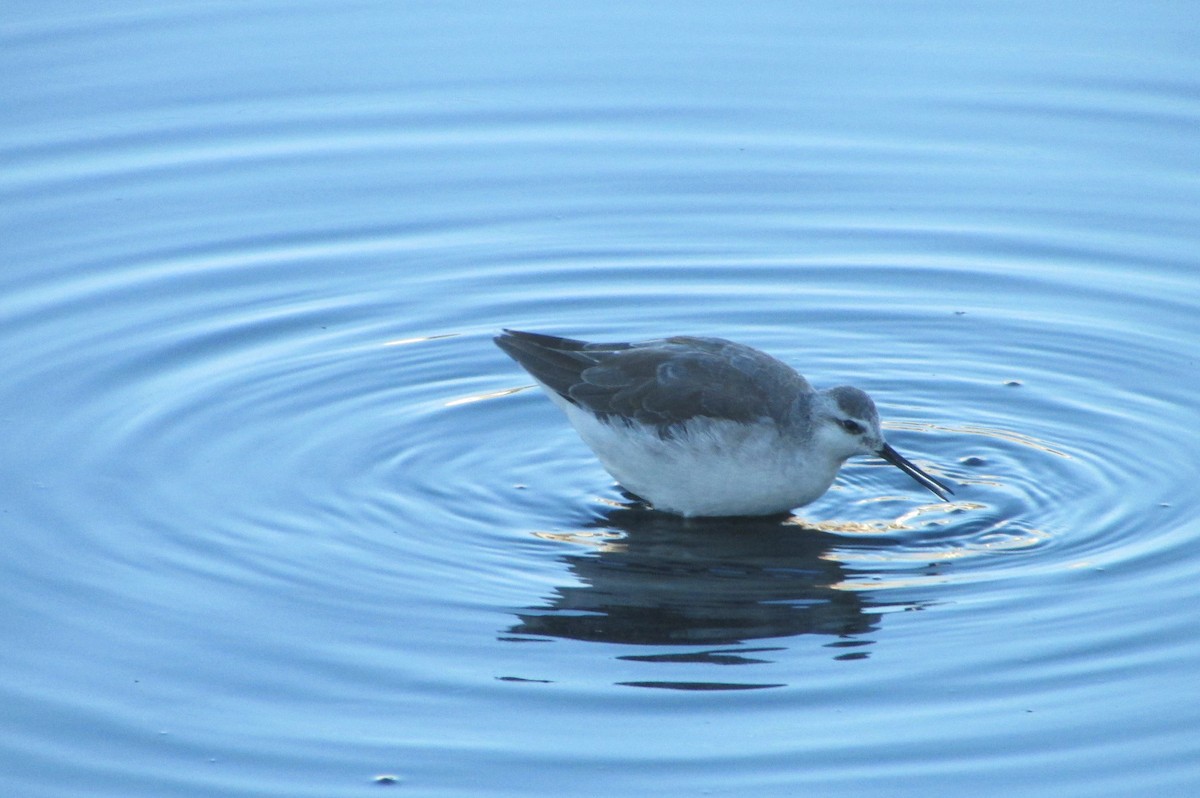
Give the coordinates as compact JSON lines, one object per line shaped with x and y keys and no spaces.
{"x":278,"y":518}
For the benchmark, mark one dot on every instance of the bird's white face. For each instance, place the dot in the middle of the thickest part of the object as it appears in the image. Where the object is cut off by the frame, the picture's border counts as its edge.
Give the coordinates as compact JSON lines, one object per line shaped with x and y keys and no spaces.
{"x":846,"y":423}
{"x":855,"y":435}
{"x":841,"y":436}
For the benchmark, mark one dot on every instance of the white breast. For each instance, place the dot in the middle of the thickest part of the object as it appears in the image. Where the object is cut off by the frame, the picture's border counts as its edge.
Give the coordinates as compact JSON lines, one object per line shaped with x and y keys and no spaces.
{"x":712,"y":467}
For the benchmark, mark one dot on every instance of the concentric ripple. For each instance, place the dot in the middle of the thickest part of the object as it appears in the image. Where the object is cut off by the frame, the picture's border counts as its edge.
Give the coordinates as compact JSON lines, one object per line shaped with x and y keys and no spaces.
{"x":281,"y":520}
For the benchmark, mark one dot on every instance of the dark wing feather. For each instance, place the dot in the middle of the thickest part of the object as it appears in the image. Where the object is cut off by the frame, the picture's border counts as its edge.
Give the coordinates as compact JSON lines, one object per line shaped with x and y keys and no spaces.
{"x":663,"y":382}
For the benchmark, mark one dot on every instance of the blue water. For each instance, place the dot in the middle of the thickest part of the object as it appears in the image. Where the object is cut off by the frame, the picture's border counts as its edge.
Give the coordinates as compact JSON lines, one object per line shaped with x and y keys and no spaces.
{"x":279,"y":519}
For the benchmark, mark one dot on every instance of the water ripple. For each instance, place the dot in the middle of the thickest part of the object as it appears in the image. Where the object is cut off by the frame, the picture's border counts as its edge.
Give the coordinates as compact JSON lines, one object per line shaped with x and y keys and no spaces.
{"x":276,"y":508}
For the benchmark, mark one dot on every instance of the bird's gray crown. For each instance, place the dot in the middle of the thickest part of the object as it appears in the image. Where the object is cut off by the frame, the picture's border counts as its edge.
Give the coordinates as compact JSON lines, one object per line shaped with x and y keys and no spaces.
{"x":854,"y":403}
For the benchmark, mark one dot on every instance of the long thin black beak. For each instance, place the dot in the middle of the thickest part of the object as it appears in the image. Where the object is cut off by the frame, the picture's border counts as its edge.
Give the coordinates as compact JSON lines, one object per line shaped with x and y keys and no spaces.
{"x":934,"y":486}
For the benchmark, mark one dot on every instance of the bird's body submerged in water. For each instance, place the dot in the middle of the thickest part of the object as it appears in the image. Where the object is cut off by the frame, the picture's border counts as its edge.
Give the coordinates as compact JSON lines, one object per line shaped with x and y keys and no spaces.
{"x":704,"y":426}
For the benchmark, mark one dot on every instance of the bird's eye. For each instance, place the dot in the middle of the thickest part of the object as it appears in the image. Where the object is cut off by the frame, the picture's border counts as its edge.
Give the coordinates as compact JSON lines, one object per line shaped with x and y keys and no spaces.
{"x":853,"y":427}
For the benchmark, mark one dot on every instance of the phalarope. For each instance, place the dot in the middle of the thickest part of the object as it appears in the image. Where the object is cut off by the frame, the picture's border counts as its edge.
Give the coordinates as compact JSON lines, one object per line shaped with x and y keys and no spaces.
{"x":704,"y":426}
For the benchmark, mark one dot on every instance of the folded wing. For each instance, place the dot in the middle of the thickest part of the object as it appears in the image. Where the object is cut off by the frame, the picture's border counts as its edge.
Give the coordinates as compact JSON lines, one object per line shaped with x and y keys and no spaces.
{"x":661,"y":383}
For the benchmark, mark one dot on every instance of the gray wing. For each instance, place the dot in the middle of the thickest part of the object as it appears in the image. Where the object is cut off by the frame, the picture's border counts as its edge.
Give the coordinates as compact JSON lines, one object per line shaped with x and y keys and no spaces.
{"x":663,"y":382}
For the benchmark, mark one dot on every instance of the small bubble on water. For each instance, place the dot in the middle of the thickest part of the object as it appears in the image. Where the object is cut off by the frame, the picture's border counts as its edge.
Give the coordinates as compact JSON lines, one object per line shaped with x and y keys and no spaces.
{"x":387,"y":780}
{"x":974,"y":461}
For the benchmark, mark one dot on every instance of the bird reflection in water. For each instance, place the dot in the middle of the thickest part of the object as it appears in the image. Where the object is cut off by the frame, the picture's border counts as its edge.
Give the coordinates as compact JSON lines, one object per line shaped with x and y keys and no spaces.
{"x":709,"y":586}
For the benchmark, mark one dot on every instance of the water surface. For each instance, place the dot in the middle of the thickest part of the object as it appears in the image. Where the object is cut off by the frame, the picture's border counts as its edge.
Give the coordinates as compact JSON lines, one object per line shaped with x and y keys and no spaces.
{"x":280,"y":520}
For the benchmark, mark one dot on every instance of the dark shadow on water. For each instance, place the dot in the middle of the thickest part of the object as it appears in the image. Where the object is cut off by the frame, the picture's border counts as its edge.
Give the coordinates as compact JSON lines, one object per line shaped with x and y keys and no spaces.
{"x":708,"y":586}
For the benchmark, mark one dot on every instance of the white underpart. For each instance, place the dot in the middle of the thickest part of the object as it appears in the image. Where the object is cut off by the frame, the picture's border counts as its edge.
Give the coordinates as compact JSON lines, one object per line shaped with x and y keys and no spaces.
{"x":710,"y":467}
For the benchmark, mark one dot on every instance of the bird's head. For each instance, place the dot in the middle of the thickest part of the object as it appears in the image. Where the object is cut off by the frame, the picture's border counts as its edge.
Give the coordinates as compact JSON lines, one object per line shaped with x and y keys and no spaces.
{"x":846,"y":423}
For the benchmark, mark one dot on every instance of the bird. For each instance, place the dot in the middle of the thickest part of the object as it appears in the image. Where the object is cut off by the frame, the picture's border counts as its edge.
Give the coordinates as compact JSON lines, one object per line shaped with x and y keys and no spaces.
{"x":705,"y":427}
